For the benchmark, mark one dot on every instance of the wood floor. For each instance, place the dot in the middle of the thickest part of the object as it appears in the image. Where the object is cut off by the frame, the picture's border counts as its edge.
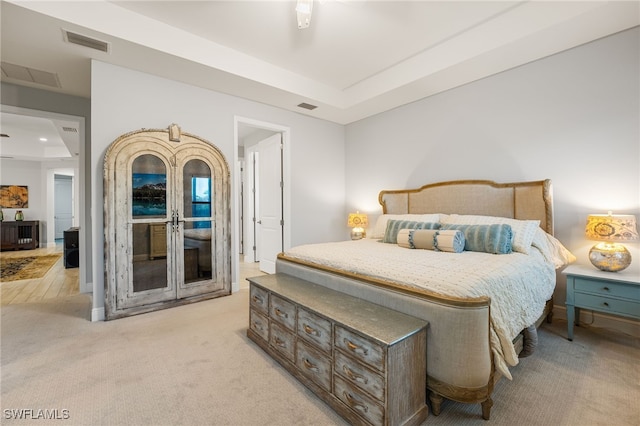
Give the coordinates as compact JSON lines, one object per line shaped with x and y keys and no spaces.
{"x":57,"y":282}
{"x":61,"y":282}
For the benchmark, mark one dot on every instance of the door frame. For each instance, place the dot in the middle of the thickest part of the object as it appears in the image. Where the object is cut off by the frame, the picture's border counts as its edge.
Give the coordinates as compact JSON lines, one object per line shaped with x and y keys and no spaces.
{"x":238,"y":123}
{"x":81,"y":172}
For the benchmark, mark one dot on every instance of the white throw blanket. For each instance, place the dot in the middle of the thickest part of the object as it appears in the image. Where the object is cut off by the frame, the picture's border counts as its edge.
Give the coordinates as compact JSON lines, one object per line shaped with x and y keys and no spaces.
{"x":518,"y":284}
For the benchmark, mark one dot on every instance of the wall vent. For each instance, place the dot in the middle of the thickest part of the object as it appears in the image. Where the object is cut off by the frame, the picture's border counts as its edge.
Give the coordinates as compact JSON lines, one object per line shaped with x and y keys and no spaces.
{"x":82,"y":40}
{"x":31,"y":75}
{"x":307,"y":106}
{"x":70,"y":129}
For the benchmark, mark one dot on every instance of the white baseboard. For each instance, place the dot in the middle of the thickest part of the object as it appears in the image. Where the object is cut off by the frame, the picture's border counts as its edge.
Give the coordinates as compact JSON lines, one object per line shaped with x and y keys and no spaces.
{"x":97,"y":314}
{"x":596,"y":319}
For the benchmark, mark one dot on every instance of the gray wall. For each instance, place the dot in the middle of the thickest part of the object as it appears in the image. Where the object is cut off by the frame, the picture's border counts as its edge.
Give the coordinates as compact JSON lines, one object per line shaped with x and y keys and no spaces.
{"x":573,"y":117}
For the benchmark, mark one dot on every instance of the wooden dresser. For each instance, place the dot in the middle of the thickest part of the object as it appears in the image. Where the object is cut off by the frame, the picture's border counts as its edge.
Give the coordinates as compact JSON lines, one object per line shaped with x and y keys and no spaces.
{"x":24,"y":234}
{"x":366,"y":361}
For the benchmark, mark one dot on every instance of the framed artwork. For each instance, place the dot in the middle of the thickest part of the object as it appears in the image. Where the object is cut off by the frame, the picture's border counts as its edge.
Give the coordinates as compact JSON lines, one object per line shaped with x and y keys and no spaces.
{"x":14,"y":196}
{"x":149,"y":194}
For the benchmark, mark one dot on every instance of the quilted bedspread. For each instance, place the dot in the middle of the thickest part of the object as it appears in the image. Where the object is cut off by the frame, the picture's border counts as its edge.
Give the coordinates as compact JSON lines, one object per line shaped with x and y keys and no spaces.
{"x":518,"y":284}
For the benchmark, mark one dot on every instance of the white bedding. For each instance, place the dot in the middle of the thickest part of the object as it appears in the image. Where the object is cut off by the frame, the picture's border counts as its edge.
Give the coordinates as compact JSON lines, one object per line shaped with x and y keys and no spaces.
{"x":518,"y":284}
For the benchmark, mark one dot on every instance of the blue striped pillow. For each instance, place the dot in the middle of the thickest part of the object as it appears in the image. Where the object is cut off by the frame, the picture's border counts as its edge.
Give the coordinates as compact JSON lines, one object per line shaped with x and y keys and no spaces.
{"x":393,"y":226}
{"x":496,"y":238}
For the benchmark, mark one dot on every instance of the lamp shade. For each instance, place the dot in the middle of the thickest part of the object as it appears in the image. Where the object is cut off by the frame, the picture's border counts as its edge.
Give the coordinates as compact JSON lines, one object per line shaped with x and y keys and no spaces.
{"x":609,"y":227}
{"x":357,"y":220}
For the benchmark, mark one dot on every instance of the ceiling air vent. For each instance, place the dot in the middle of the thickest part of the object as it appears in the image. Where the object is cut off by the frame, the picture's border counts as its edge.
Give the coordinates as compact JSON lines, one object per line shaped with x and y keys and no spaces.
{"x":70,"y":129}
{"x":31,"y":75}
{"x":82,"y":40}
{"x":307,"y":106}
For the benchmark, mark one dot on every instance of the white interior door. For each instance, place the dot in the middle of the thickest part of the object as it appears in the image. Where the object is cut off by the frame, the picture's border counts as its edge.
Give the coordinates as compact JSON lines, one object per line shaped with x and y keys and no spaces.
{"x":63,"y":204}
{"x":269,"y":225}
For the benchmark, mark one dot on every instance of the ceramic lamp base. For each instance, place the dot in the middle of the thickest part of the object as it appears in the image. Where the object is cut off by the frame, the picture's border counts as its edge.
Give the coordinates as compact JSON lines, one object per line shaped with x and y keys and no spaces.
{"x":357,"y":233}
{"x":610,"y":257}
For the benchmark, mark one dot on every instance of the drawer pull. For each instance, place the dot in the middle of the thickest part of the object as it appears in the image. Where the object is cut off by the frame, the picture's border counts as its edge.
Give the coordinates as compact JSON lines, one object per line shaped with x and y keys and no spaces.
{"x":354,"y":403}
{"x":257,"y":326}
{"x":355,"y":348}
{"x":281,"y":314}
{"x":310,"y":330}
{"x":353,"y":376}
{"x":310,"y":366}
{"x":258,"y":299}
{"x":605,"y":288}
{"x":281,"y":343}
{"x":605,"y":304}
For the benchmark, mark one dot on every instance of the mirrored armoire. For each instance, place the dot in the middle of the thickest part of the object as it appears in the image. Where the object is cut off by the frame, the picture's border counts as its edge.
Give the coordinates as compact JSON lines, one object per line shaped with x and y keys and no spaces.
{"x":167,"y":222}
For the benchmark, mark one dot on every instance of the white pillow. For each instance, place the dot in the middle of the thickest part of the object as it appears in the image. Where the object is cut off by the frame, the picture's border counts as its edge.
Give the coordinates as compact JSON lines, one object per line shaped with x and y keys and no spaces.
{"x":523,"y":230}
{"x":381,"y":222}
{"x":552,"y":249}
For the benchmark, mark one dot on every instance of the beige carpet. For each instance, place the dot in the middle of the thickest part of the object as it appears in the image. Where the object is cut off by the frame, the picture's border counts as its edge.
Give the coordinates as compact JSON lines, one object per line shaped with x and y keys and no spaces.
{"x":193,"y":365}
{"x":25,"y":267}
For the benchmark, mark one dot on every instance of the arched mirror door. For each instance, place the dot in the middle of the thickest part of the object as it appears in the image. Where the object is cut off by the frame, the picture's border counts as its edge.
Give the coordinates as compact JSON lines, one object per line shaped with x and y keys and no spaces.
{"x":166,"y":222}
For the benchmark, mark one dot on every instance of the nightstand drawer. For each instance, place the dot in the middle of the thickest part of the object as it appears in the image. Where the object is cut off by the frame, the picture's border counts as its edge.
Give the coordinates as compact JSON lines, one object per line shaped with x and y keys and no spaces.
{"x":607,"y":288}
{"x":605,"y":304}
{"x":314,"y":329}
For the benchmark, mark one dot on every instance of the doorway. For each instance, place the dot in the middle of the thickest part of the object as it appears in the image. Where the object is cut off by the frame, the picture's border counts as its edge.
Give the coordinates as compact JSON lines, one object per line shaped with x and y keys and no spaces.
{"x":167,"y":222}
{"x":261,"y":242}
{"x":63,"y":204}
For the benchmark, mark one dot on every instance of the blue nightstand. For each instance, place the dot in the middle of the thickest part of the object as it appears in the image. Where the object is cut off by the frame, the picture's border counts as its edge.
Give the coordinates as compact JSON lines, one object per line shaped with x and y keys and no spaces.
{"x":615,"y":293}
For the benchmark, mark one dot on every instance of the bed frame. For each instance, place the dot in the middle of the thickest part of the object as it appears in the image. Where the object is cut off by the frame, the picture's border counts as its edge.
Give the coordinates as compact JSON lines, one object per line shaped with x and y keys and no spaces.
{"x":459,"y":359}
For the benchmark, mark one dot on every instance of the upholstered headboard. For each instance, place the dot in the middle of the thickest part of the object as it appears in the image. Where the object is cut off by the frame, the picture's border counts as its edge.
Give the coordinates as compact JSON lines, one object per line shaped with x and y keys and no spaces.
{"x":519,"y":200}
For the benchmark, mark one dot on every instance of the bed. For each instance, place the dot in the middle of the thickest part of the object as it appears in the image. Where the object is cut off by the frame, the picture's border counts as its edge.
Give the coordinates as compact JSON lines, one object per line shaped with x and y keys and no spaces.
{"x":482,"y":308}
{"x":200,"y":238}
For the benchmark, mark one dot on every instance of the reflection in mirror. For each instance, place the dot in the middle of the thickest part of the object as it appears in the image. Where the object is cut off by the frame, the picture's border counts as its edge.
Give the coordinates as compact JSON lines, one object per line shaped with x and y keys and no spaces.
{"x":197,"y":233}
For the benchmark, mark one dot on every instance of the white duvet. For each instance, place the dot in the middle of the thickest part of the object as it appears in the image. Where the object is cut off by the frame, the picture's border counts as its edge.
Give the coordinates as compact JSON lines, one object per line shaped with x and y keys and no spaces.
{"x":518,"y":284}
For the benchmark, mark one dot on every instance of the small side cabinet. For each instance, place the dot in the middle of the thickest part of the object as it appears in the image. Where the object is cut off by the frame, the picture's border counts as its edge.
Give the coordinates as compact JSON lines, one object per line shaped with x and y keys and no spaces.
{"x":615,"y":293}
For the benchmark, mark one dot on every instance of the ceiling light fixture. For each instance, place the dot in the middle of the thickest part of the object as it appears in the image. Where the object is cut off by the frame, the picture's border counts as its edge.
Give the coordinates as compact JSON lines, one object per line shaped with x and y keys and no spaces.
{"x":303,"y":12}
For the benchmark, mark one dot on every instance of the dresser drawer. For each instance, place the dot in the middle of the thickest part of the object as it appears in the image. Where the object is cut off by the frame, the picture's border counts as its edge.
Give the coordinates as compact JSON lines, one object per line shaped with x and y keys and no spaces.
{"x":283,"y":311}
{"x":259,"y":324}
{"x":315,"y":329}
{"x":626,"y":291}
{"x":360,"y":348}
{"x":605,"y":304}
{"x":359,"y":375}
{"x":282,"y":340}
{"x":259,"y":299}
{"x":358,"y":401}
{"x":314,"y":364}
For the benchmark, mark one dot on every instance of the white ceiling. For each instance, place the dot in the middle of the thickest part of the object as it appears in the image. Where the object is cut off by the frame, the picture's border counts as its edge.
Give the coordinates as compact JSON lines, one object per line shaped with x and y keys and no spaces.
{"x":357,"y":58}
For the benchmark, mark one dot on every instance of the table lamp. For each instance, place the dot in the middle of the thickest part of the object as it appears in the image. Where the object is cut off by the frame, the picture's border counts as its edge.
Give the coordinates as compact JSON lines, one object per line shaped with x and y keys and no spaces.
{"x":357,"y":222}
{"x":608,"y":255}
